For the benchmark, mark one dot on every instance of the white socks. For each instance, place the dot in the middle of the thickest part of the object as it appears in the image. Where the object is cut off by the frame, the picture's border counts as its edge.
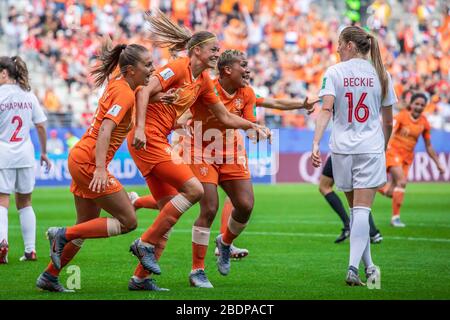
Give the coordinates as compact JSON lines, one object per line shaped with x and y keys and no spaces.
{"x":3,"y":224}
{"x":200,"y":235}
{"x":28,"y":226}
{"x":359,"y":236}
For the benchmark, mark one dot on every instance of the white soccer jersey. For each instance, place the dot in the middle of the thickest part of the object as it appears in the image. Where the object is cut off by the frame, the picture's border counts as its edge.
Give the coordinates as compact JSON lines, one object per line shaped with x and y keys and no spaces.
{"x":357,"y":126}
{"x":19,"y":109}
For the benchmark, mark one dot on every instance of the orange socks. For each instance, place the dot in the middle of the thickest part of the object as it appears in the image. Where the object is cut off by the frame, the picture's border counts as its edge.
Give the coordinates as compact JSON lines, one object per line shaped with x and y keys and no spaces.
{"x":200,"y":240}
{"x":198,"y":256}
{"x":397,"y":200}
{"x":234,"y":229}
{"x":226,"y":213}
{"x":166,"y":219}
{"x":147,"y":202}
{"x":95,"y":228}
{"x":70,"y":250}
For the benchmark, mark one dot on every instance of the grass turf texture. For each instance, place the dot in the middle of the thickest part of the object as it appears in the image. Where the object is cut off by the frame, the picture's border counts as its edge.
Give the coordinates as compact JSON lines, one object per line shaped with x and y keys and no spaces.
{"x":290,"y":239}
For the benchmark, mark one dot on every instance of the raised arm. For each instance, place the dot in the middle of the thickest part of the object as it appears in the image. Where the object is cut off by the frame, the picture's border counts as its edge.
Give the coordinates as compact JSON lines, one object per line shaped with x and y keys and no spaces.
{"x":288,"y":104}
{"x":321,"y":124}
{"x":233,"y":121}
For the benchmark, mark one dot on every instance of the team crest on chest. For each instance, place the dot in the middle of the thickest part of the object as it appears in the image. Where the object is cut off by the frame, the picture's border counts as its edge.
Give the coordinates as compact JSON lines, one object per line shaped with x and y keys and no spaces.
{"x":238,"y":103}
{"x":204,"y":170}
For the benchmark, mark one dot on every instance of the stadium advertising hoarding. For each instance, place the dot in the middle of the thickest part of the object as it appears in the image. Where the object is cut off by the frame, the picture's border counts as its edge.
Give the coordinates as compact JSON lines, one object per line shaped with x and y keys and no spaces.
{"x":287,"y":160}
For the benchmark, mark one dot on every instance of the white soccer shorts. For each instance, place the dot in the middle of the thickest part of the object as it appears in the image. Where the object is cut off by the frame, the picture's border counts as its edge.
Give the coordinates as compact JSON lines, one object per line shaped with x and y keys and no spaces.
{"x":359,"y":171}
{"x":20,"y":180}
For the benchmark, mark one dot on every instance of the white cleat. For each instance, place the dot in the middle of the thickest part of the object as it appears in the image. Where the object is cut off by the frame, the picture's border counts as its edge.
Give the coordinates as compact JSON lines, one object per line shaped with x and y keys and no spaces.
{"x":395,"y":222}
{"x":373,"y":276}
{"x":235,"y":252}
{"x":133,"y":196}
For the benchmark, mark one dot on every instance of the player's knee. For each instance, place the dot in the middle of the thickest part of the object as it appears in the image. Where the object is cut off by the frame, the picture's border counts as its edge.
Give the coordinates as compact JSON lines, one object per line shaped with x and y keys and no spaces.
{"x":401,"y":183}
{"x":130,"y":223}
{"x":245,"y":205}
{"x":324,"y":190}
{"x":195,"y":192}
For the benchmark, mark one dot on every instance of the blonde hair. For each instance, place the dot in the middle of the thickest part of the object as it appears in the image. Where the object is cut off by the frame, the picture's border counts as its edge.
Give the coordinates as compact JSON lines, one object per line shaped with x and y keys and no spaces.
{"x":166,"y":33}
{"x":366,"y":42}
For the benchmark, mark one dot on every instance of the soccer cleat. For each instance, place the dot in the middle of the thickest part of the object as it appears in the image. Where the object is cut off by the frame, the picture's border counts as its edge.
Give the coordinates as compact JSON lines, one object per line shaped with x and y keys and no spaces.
{"x":29,"y":256}
{"x":235,"y":252}
{"x":50,"y":283}
{"x":199,"y":279}
{"x":373,"y":274}
{"x":344,"y":235}
{"x":145,"y":285}
{"x":58,"y":240}
{"x":3,"y":252}
{"x":133,"y":196}
{"x":377,"y":238}
{"x":146,"y":256}
{"x":353,"y":278}
{"x":223,"y":260}
{"x":395,"y":222}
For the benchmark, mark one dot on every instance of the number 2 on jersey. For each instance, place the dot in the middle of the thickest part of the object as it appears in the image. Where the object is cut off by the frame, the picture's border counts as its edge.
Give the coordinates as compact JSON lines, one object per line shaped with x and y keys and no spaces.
{"x":359,"y":106}
{"x":14,"y":137}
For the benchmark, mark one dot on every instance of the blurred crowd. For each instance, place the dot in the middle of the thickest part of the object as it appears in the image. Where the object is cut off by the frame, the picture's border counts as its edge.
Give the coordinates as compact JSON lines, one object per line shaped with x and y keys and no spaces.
{"x":290,"y":43}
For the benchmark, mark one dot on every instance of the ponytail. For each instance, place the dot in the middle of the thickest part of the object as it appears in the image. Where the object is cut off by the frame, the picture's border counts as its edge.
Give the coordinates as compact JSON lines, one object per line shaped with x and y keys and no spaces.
{"x":375,"y":55}
{"x":167,"y":34}
{"x":21,"y":73}
{"x":109,"y":59}
{"x":17,"y":70}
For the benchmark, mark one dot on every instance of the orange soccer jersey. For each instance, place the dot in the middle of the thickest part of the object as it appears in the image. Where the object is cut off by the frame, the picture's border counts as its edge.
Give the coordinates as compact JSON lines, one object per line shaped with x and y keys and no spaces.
{"x":241,"y":103}
{"x":161,"y":118}
{"x":406,"y":132}
{"x":116,"y":104}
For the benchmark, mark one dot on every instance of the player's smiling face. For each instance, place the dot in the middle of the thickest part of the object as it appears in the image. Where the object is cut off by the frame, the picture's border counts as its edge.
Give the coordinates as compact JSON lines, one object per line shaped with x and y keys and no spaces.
{"x":144,"y":69}
{"x":240,"y":73}
{"x":208,"y":54}
{"x":417,"y":107}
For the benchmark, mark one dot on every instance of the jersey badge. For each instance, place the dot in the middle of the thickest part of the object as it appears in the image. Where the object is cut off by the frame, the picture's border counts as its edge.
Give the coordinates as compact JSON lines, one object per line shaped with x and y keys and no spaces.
{"x":166,"y":73}
{"x":114,"y":111}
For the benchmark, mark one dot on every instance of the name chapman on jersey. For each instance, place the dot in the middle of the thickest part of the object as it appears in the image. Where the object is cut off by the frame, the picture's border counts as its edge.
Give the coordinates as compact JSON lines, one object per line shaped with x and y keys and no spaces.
{"x":15,"y":105}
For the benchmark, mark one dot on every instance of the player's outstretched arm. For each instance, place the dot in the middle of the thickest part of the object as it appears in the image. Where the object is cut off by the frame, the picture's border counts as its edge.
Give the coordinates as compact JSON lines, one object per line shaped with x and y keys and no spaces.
{"x":387,"y":118}
{"x":42,"y":134}
{"x":321,"y":124}
{"x":289,"y":104}
{"x":233,"y":121}
{"x":142,"y":99}
{"x":100,"y":179}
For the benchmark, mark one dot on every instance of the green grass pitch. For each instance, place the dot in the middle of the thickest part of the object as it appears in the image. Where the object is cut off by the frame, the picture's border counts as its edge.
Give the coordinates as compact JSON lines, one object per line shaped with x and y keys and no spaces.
{"x":290,"y":238}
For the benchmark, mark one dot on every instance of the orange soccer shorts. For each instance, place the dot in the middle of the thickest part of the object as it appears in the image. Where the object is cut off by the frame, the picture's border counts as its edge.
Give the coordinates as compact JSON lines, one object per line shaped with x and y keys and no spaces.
{"x":399,"y":158}
{"x":216,"y":173}
{"x":82,"y":173}
{"x":166,"y":178}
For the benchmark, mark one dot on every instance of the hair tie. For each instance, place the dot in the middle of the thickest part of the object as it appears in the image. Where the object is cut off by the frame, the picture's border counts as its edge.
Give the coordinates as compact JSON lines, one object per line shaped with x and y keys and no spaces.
{"x":123,"y":46}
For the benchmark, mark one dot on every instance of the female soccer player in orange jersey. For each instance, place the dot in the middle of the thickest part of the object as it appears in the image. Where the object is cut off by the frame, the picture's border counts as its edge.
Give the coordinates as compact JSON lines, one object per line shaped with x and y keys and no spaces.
{"x":94,"y":188}
{"x":172,"y":184}
{"x":409,"y":125}
{"x":226,"y":166}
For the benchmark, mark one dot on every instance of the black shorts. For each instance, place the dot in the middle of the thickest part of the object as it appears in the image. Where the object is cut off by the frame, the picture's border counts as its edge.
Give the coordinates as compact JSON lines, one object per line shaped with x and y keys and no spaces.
{"x":328,"y":169}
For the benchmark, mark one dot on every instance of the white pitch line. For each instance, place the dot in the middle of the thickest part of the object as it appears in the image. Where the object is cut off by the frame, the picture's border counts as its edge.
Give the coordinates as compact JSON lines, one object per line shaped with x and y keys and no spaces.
{"x":317,"y":235}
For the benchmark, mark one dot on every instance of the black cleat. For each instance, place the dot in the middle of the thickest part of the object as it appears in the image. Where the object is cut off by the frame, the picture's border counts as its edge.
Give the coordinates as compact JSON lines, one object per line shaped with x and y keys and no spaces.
{"x":344,"y":235}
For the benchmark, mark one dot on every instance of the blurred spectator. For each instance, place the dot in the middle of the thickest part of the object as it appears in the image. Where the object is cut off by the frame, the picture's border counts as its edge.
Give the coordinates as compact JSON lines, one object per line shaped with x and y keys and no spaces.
{"x":51,"y":101}
{"x":71,"y":139}
{"x":55,"y":144}
{"x":290,"y":43}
